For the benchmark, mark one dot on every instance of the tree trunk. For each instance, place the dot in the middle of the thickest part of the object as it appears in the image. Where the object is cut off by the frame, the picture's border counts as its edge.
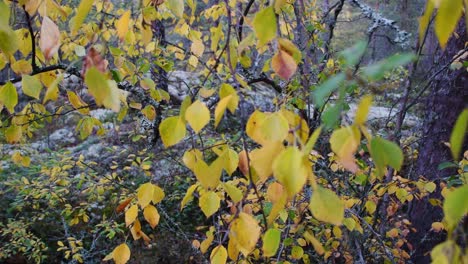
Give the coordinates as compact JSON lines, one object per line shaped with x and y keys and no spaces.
{"x":446,"y":100}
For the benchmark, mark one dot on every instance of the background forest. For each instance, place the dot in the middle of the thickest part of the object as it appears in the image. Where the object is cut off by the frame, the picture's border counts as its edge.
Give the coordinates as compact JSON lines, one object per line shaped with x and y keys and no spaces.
{"x":233,"y":131}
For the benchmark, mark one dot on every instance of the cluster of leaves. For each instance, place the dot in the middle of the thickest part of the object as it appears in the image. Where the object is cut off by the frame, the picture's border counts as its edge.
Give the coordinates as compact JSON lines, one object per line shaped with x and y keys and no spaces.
{"x":276,"y":196}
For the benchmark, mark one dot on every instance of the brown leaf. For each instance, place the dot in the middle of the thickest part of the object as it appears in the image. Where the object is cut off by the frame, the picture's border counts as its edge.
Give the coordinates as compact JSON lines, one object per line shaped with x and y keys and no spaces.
{"x":93,"y":58}
{"x":123,"y":204}
{"x":50,"y":38}
{"x":283,"y":64}
{"x":243,"y":163}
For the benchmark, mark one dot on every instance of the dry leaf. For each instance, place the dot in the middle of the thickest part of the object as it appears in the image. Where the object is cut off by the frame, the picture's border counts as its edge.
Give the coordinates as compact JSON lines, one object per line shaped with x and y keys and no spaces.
{"x":93,"y":58}
{"x":283,"y":64}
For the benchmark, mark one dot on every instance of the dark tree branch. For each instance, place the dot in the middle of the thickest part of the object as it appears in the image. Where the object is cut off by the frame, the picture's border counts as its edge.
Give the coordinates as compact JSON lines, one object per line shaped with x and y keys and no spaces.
{"x":241,"y":20}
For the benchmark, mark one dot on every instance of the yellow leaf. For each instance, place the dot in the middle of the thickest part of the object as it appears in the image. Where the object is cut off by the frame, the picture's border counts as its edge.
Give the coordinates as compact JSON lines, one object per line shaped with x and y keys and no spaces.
{"x":227,"y":90}
{"x":172,"y":130}
{"x":208,"y":175}
{"x":283,"y":64}
{"x":289,"y":169}
{"x":188,"y":196}
{"x":245,"y":233}
{"x":262,"y":159}
{"x":363,"y":110}
{"x":145,"y":194}
{"x":136,"y":230}
{"x":24,"y":41}
{"x":77,"y":103}
{"x":13,"y":134}
{"x":104,"y":91}
{"x":274,"y":192}
{"x":264,"y":25}
{"x":8,"y":40}
{"x":274,"y":127}
{"x":151,"y":215}
{"x":446,"y":21}
{"x":83,"y":10}
{"x":209,"y":203}
{"x":8,"y":97}
{"x":158,"y":194}
{"x":230,"y":160}
{"x":279,"y":4}
{"x":425,"y":19}
{"x":297,"y":252}
{"x":191,"y":157}
{"x":277,"y":208}
{"x":122,"y":25}
{"x":218,"y":255}
{"x":31,"y":86}
{"x":271,"y":241}
{"x":149,"y":112}
{"x":197,"y":48}
{"x":50,"y":38}
{"x":207,"y":242}
{"x":315,"y":242}
{"x":392,"y":233}
{"x":121,"y":254}
{"x":253,"y":126}
{"x":326,"y":206}
{"x":344,"y":142}
{"x":221,"y":108}
{"x":233,"y":251}
{"x":198,"y":116}
{"x":131,"y":214}
{"x":437,"y":226}
{"x":233,"y":192}
{"x":21,"y":67}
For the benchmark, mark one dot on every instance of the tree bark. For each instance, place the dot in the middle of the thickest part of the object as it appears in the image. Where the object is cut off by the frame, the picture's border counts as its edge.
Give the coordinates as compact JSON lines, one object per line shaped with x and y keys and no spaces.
{"x":447,"y":98}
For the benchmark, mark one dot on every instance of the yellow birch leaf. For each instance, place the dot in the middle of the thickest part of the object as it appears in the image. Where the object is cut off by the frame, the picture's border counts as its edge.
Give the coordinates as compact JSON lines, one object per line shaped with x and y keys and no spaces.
{"x":131,"y":214}
{"x":233,"y":251}
{"x":289,"y":170}
{"x":13,"y":134}
{"x":446,"y":21}
{"x":31,"y":86}
{"x":197,"y":47}
{"x":205,"y":244}
{"x":77,"y":103}
{"x":83,"y":10}
{"x":221,"y":108}
{"x":172,"y":130}
{"x":344,"y":142}
{"x":262,"y":159}
{"x":218,"y":255}
{"x":151,"y":215}
{"x":145,"y":194}
{"x":326,"y":206}
{"x":122,"y":25}
{"x":279,"y":4}
{"x":136,"y":230}
{"x":121,"y":254}
{"x":149,"y":112}
{"x":8,"y":40}
{"x":104,"y":91}
{"x":197,"y":115}
{"x":245,"y":233}
{"x":158,"y":194}
{"x":24,"y":41}
{"x":21,"y":67}
{"x":274,"y":127}
{"x":9,"y":97}
{"x":363,"y":110}
{"x":283,"y":64}
{"x":50,"y":38}
{"x":227,"y":90}
{"x":287,"y":46}
{"x":188,"y":195}
{"x":264,"y":25}
{"x":209,"y":203}
{"x":191,"y":157}
{"x":253,"y":127}
{"x":315,"y":242}
{"x":274,"y":192}
{"x":230,"y":160}
{"x":207,"y":175}
{"x":233,"y":192}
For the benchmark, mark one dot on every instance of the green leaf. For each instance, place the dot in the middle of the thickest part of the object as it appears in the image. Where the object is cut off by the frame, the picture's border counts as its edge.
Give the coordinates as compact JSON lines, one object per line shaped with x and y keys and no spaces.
{"x":326,"y":206}
{"x":321,"y":92}
{"x":83,"y":10}
{"x":8,"y":97}
{"x":447,"y":164}
{"x":31,"y":86}
{"x":264,"y":25}
{"x":377,"y":71}
{"x":459,"y":134}
{"x":172,"y":130}
{"x":456,"y":206}
{"x":209,"y":203}
{"x":447,"y":18}
{"x":385,"y":153}
{"x":271,"y":241}
{"x":353,"y":55}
